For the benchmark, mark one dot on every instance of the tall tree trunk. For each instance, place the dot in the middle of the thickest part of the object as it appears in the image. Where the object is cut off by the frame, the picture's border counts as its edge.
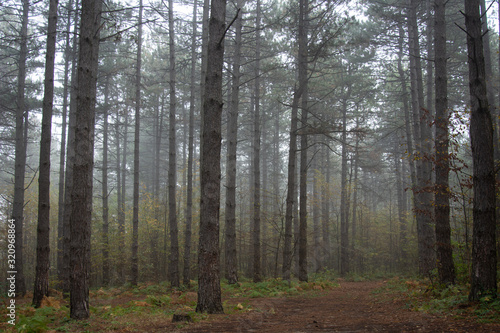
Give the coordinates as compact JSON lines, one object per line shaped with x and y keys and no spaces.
{"x":172,"y":165}
{"x":105,"y":208}
{"x":41,"y":288}
{"x":70,"y":159}
{"x":81,"y":196}
{"x":354,"y":229}
{"x":20,"y":154}
{"x":401,"y":201}
{"x":303,"y":79}
{"x":316,"y":216}
{"x":484,"y":261}
{"x":256,"y":156}
{"x":265,"y":200}
{"x":344,"y":212}
{"x":445,"y":266}
{"x":186,"y":274}
{"x":119,"y":214}
{"x":325,"y":215}
{"x":290,"y":196}
{"x":62,"y":153}
{"x":277,"y":215}
{"x":121,"y":209}
{"x":408,"y":132}
{"x":232,"y":140}
{"x":160,"y":269}
{"x":137,"y":128}
{"x":423,"y":197}
{"x":209,"y":291}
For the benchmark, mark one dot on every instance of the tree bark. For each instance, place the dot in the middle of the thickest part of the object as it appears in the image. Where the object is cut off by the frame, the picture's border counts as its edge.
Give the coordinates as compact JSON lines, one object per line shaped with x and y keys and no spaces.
{"x":303,"y":79}
{"x":446,"y":269}
{"x":232,"y":141}
{"x":408,"y":132}
{"x":484,"y":262}
{"x":105,"y":207}
{"x":422,"y":134}
{"x":256,"y":156}
{"x":62,"y":156}
{"x":186,"y":274}
{"x":81,"y":196}
{"x":135,"y":214}
{"x":70,"y":161}
{"x":209,"y":291}
{"x":20,"y":154}
{"x":172,"y":165}
{"x":41,"y":287}
{"x":344,"y":212}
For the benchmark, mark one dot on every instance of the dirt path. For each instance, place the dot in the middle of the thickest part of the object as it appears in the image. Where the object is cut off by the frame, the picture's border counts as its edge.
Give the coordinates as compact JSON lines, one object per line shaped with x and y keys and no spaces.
{"x":350,"y":308}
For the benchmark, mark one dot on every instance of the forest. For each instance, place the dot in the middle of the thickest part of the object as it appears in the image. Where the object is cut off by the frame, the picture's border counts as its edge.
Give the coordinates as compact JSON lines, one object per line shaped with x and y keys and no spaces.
{"x":201,"y":148}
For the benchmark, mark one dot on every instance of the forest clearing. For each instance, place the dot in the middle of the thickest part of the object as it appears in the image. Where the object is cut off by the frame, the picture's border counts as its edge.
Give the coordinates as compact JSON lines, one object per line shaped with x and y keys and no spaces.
{"x":342,"y":306}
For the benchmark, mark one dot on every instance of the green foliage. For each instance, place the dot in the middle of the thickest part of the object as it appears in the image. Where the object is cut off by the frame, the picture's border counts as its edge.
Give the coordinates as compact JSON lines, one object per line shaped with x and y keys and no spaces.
{"x":421,"y":295}
{"x":159,"y":301}
{"x":38,"y":321}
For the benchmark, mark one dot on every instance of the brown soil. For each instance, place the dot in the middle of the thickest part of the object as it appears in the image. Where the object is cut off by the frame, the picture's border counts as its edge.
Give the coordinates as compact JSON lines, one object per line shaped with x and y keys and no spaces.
{"x":352,"y":307}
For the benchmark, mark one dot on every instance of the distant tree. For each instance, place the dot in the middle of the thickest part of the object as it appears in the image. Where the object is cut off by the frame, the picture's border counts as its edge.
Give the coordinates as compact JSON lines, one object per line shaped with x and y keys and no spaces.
{"x":209,"y":291}
{"x":81,"y":213}
{"x":43,"y":230}
{"x":484,"y":261}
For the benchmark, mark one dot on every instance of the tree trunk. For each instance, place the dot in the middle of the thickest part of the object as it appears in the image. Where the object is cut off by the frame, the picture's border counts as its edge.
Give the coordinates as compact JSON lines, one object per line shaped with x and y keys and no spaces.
{"x":484,"y":263}
{"x":408,"y":132}
{"x":172,"y":165}
{"x":186,"y":274}
{"x":303,"y":79}
{"x":62,"y":153}
{"x":344,"y":212}
{"x":445,"y":265}
{"x":354,"y":229}
{"x":41,"y":288}
{"x":325,"y":215}
{"x":316,"y":202}
{"x":209,"y":291}
{"x":256,"y":156}
{"x":70,"y":160}
{"x":105,"y":208}
{"x":232,"y":140}
{"x":20,"y":155}
{"x":135,"y":217}
{"x":81,"y":196}
{"x":290,"y":196}
{"x":423,"y":196}
{"x":122,"y":207}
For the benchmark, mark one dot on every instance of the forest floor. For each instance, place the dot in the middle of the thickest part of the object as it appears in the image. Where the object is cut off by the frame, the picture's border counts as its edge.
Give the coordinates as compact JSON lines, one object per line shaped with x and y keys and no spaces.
{"x":340,"y":306}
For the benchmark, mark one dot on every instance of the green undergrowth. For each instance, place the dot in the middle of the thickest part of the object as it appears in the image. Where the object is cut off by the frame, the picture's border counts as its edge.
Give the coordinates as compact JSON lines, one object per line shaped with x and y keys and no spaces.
{"x":150,"y":305}
{"x":423,"y":295}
